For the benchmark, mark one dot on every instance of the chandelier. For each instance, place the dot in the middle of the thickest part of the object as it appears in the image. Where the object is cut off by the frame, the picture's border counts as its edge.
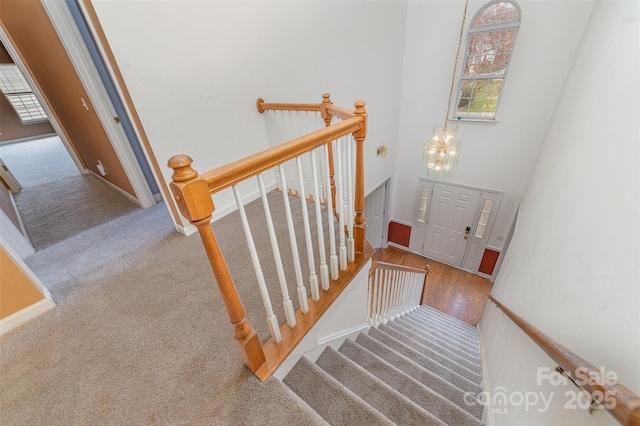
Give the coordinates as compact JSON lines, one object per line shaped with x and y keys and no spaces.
{"x":442,"y":150}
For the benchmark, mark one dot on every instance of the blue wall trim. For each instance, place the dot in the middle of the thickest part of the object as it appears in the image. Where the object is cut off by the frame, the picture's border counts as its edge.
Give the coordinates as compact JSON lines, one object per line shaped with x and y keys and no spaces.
{"x":127,"y":126}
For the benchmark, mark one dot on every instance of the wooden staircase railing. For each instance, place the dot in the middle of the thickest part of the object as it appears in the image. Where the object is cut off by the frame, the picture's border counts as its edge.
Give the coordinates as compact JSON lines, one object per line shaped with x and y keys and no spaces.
{"x":394,"y":290}
{"x":626,"y":408}
{"x":192,"y":192}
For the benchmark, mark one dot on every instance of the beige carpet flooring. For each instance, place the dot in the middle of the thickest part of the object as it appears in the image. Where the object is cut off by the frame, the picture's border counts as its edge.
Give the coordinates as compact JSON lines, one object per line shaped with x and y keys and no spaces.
{"x":140,"y":335}
{"x":56,"y":201}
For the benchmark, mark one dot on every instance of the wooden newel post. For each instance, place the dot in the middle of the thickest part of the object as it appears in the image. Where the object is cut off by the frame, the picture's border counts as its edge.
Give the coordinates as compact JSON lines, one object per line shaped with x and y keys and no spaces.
{"x":359,"y":136}
{"x":194,"y":201}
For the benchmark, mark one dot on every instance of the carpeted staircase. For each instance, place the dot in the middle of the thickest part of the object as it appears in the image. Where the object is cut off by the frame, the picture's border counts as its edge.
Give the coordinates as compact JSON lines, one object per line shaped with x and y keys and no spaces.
{"x":420,"y":369}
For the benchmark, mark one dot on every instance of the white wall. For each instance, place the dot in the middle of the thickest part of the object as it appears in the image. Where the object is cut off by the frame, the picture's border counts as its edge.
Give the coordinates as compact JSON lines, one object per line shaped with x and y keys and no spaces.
{"x":196,"y":68}
{"x":572,"y":268}
{"x":493,"y":156}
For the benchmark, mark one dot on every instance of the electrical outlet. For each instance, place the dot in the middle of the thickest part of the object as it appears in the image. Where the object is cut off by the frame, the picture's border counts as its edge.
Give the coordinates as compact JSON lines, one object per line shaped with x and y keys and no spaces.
{"x":101,"y":169}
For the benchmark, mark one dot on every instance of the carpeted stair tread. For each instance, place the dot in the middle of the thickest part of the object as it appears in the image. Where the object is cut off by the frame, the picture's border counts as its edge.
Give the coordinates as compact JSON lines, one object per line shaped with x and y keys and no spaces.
{"x":424,"y":331}
{"x":442,"y":332}
{"x":329,"y":398}
{"x":441,"y":316}
{"x":425,"y":362}
{"x":427,"y":377}
{"x":473,"y":365}
{"x":430,"y":399}
{"x":447,"y":321}
{"x":395,"y":406}
{"x":428,"y":352}
{"x":445,"y":329}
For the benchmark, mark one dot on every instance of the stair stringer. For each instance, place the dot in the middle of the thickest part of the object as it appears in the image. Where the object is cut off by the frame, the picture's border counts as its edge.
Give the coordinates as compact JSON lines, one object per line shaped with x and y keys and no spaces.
{"x":345,"y":318}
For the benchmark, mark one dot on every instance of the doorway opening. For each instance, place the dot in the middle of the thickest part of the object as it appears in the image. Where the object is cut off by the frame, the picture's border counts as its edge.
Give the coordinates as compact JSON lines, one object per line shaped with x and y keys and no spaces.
{"x":375,"y":215}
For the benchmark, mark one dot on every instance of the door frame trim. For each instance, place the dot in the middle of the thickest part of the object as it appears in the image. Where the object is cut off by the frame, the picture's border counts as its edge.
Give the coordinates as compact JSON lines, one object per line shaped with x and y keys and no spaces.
{"x":53,"y":118}
{"x":385,"y":215}
{"x":483,"y":191}
{"x":71,"y":39}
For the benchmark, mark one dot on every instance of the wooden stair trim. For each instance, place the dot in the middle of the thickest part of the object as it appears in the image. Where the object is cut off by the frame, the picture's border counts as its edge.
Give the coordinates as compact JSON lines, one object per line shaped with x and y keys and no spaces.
{"x":277,"y":353}
{"x":396,"y":267}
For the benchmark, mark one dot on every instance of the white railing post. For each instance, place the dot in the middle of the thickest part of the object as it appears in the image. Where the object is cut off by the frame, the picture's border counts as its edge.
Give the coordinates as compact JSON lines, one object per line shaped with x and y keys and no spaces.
{"x":340,"y":203}
{"x":333,"y":257}
{"x":313,"y":278}
{"x":302,"y":291}
{"x":350,"y":171}
{"x":272,"y":321}
{"x":286,"y":301}
{"x":324,"y":269}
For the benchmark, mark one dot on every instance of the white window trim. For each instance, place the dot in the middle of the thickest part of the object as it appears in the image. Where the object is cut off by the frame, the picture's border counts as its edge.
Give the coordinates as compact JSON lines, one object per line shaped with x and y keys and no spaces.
{"x":481,"y":29}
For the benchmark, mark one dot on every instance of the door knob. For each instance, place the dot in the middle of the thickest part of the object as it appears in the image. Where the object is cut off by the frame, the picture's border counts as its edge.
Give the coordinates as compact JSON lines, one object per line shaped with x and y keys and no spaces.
{"x":466,"y":233}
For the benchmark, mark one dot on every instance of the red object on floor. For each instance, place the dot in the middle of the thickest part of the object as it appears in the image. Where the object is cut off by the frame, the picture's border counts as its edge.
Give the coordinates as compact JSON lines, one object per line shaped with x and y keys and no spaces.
{"x":399,"y":233}
{"x":489,"y":260}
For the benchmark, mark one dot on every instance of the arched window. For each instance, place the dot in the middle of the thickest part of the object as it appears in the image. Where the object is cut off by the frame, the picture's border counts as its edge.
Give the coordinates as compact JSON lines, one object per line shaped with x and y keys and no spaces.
{"x":490,"y":41}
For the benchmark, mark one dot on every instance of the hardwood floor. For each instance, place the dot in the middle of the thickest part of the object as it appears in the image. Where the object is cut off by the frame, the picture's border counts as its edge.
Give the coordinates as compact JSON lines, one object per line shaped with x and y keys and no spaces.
{"x":450,"y":290}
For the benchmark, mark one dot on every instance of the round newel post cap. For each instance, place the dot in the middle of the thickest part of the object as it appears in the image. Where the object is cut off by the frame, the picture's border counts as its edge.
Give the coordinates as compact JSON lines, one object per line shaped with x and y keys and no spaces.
{"x":326,"y":98}
{"x":359,"y":107}
{"x":181,"y":165}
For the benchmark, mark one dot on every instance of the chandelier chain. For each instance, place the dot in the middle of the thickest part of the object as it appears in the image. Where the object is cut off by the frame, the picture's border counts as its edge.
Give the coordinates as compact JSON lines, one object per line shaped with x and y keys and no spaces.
{"x":455,"y":64}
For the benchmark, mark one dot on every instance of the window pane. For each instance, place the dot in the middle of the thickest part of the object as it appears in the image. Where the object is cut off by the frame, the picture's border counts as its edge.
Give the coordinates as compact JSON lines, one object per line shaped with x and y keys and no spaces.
{"x":487,"y":205}
{"x":484,"y":218}
{"x":489,"y":52}
{"x":479,"y":97}
{"x":498,"y":13}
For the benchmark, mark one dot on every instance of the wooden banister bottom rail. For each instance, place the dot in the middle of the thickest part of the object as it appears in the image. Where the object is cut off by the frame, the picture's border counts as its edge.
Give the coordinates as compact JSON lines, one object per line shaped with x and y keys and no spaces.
{"x":626,"y":409}
{"x":276,"y":353}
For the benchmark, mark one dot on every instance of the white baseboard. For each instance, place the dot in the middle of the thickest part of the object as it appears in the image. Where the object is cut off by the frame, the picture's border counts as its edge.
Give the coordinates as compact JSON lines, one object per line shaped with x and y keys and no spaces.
{"x":342,"y":334}
{"x":400,"y":246}
{"x":27,"y":139}
{"x":219,"y":213}
{"x":16,"y":319}
{"x":112,"y":186}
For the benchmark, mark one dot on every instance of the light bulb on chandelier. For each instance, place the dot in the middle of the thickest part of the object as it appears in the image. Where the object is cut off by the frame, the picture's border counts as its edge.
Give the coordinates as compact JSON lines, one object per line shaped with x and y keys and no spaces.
{"x":442,"y":150}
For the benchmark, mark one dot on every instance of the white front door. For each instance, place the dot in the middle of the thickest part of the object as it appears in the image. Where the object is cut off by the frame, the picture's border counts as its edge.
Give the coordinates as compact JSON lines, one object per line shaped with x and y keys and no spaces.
{"x":374,"y":208}
{"x":451,"y":217}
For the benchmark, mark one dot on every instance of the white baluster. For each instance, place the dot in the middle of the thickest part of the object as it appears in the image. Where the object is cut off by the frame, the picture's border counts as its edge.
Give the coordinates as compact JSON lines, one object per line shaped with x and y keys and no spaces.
{"x":333,"y":257}
{"x":302,"y":291}
{"x":339,"y":204}
{"x":376,"y":300}
{"x":396,"y":288}
{"x":324,"y":269}
{"x":418,"y":293}
{"x":313,"y":278}
{"x":272,"y":321}
{"x":286,"y":301}
{"x":350,"y":170}
{"x":370,"y":298}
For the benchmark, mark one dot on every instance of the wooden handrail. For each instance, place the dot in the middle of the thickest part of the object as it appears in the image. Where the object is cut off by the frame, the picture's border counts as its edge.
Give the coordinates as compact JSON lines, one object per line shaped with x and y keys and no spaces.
{"x":626,"y":409}
{"x":393,"y":266}
{"x":192,"y":192}
{"x":264,"y":106}
{"x":233,"y":173}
